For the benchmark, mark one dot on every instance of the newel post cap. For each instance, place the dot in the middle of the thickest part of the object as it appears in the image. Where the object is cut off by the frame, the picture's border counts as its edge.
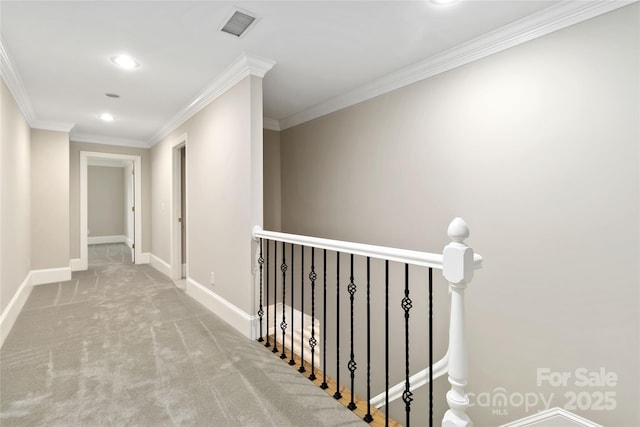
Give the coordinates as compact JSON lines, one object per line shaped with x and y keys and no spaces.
{"x":457,"y":257}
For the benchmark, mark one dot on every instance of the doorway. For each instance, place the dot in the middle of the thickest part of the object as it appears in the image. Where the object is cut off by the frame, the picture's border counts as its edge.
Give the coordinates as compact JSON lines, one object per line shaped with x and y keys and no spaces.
{"x":179,"y":212}
{"x":135,"y":185}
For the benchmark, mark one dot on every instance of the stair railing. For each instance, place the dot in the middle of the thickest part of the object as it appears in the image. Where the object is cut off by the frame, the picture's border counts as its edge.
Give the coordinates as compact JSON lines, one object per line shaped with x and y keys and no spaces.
{"x":457,"y":263}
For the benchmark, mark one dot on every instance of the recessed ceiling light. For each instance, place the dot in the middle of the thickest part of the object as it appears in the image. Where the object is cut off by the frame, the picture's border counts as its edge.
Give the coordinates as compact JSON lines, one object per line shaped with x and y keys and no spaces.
{"x":107,"y":117}
{"x":443,"y":2}
{"x":125,"y":61}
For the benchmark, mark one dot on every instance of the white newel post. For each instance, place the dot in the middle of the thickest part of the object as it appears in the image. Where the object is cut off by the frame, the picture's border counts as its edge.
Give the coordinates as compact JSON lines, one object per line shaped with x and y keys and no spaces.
{"x":457,"y":268}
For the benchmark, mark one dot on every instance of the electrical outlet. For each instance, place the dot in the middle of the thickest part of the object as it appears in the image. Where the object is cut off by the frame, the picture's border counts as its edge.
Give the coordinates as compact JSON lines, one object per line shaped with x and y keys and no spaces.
{"x":213,"y":278}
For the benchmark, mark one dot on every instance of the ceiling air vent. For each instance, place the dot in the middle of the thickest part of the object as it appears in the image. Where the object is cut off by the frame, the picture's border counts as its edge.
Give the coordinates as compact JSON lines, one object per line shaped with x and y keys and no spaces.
{"x":238,"y":23}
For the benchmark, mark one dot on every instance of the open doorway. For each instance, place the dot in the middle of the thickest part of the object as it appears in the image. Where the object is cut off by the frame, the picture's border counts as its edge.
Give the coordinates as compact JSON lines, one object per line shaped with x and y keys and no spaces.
{"x":179,"y":213}
{"x":130,"y":211}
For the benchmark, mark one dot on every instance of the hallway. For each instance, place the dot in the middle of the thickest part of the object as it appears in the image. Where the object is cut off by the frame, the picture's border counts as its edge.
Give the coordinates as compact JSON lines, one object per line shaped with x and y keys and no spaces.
{"x":119,"y":344}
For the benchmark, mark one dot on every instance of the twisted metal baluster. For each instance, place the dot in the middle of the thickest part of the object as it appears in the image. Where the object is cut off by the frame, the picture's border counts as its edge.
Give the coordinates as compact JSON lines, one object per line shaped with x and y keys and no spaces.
{"x":368,"y":417}
{"x":301,"y":369}
{"x":351,"y":288}
{"x":260,"y":311}
{"x":267,"y":344}
{"x":312,"y":340}
{"x":407,"y":395}
{"x":275,"y":297}
{"x":292,"y":361}
{"x":386,"y":342}
{"x":283,"y":324}
{"x":337,"y":394}
{"x":324,"y":384}
{"x":430,"y":346}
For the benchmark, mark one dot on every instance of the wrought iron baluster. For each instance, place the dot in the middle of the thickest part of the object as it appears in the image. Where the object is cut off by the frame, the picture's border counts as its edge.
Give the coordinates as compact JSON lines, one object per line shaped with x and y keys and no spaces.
{"x":275,"y":296}
{"x":291,"y":361}
{"x":312,"y":340}
{"x":260,"y":310}
{"x":268,"y":344}
{"x":430,"y":346}
{"x":368,"y":417}
{"x":283,"y":324}
{"x":324,"y":384}
{"x":351,"y":288}
{"x":301,"y":369}
{"x":337,"y":394}
{"x":407,"y":395}
{"x":386,"y":342}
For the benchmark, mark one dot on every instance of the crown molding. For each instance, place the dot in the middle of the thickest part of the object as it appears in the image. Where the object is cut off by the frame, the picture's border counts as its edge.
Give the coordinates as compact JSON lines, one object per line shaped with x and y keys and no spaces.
{"x":551,"y":19}
{"x":54,"y":126}
{"x":15,"y":85}
{"x":271,"y":124}
{"x":107,"y":140}
{"x":245,"y":65}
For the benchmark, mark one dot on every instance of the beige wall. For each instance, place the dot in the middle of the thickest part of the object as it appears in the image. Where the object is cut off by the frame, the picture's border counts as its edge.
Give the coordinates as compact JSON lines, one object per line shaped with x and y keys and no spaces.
{"x":272,"y":184}
{"x":219,"y":192}
{"x":105,"y":201}
{"x":537,"y":148}
{"x":74,"y":184}
{"x":49,"y":199}
{"x":15,"y":197}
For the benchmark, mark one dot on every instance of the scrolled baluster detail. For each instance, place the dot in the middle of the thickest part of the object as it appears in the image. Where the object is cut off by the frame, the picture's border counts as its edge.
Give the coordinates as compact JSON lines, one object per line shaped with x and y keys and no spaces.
{"x":283,"y":324}
{"x":407,"y":304}
{"x":352,"y":366}
{"x":312,"y":341}
{"x":260,"y":310}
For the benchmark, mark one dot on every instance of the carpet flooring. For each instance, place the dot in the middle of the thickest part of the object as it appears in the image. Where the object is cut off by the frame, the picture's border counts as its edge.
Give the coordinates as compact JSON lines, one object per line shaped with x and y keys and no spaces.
{"x":120,"y":345}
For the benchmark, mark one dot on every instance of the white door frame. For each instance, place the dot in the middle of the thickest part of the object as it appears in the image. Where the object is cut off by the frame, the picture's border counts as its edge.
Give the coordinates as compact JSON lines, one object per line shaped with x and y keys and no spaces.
{"x":175,"y":214}
{"x":84,"y":190}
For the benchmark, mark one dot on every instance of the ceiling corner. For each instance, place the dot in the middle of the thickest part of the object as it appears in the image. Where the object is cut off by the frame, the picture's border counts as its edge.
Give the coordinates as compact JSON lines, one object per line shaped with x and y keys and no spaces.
{"x":14,"y":83}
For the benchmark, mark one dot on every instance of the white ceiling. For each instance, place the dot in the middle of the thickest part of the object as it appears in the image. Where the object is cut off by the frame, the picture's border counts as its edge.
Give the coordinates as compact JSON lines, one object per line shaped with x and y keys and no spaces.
{"x":328,"y":54}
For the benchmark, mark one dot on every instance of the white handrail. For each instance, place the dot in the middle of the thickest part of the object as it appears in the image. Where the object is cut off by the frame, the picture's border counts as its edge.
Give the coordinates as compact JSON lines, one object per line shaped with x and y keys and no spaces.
{"x":457,"y":262}
{"x":415,"y":382}
{"x":424,"y":259}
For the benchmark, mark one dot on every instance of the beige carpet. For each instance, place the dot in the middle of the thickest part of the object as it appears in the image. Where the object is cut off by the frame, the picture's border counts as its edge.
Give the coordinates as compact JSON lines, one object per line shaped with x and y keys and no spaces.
{"x":120,"y":345}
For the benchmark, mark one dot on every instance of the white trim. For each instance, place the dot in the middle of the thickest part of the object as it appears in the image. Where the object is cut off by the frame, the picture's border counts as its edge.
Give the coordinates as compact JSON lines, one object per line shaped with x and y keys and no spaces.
{"x":107,"y":140}
{"x":271,"y":124}
{"x":50,"y":275}
{"x":550,"y":414}
{"x":159,"y":264}
{"x":51,"y":125}
{"x":15,"y":85}
{"x":97,"y":240}
{"x":76,"y":264}
{"x":84,"y":162}
{"x":534,"y":26}
{"x":175,"y":230}
{"x":144,"y":258}
{"x":424,"y":259}
{"x":128,"y":240}
{"x":13,"y":309}
{"x":245,"y":65}
{"x":237,"y":318}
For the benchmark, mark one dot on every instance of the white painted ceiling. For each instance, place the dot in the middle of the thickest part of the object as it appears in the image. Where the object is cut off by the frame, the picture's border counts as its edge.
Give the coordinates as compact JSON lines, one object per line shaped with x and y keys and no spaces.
{"x":323,"y":50}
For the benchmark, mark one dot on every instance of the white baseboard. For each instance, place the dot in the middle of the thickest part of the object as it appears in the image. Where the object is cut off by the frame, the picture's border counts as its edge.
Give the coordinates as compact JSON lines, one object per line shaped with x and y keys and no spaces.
{"x":129,"y":241}
{"x":97,"y":240}
{"x":159,"y":264}
{"x":243,"y":322}
{"x":76,"y":265}
{"x":50,"y":275}
{"x":144,"y":258}
{"x":13,"y":309}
